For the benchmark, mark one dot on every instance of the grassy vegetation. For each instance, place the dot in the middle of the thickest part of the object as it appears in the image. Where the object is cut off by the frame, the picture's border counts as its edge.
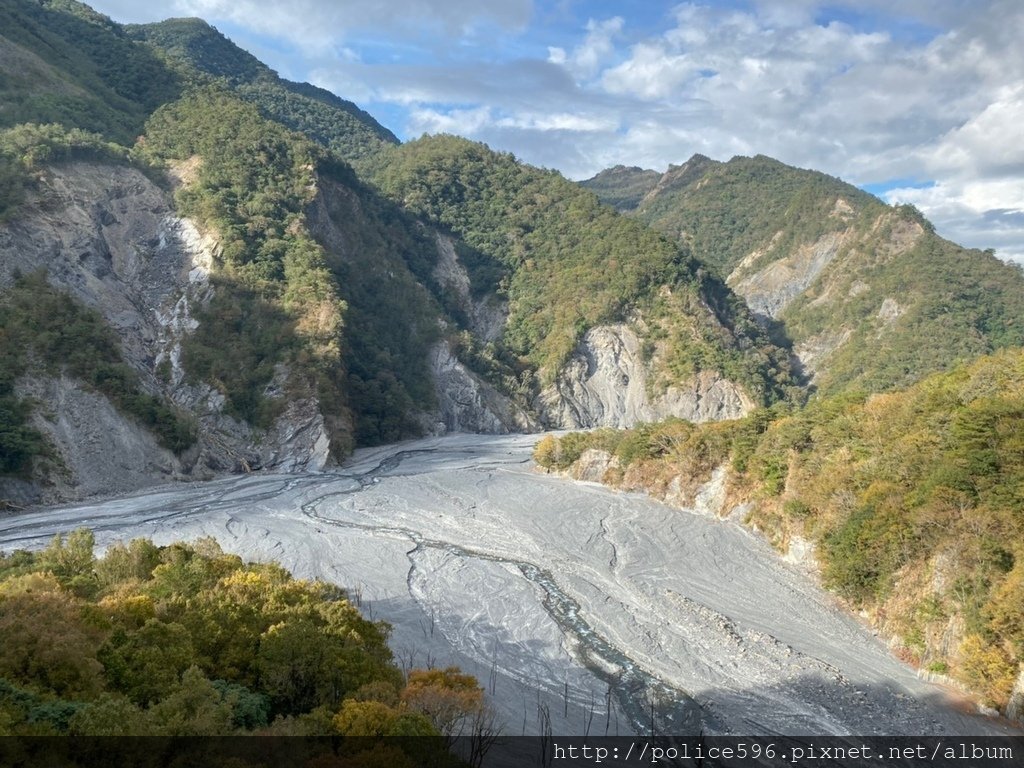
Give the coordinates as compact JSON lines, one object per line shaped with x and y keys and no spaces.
{"x":43,"y":330}
{"x":184,"y":640}
{"x":913,"y":498}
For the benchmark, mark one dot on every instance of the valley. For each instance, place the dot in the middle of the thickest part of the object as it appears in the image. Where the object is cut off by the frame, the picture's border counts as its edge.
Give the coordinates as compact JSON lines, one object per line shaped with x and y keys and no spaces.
{"x":237,"y":306}
{"x":578,"y":608}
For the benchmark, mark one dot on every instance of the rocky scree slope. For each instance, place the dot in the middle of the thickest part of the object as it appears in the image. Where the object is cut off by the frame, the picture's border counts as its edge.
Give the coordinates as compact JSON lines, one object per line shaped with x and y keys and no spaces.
{"x":110,"y":238}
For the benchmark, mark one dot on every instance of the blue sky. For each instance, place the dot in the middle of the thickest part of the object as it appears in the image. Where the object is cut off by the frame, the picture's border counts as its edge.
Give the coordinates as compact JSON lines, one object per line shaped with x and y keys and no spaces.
{"x":917,"y":101}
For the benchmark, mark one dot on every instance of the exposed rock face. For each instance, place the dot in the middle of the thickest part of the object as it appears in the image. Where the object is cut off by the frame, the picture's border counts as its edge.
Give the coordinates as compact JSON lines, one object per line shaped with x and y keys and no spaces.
{"x":1015,"y":709}
{"x":466,"y":403}
{"x":487,"y":315}
{"x":109,"y":236}
{"x":299,"y":439}
{"x":827,"y":272}
{"x":593,"y":466}
{"x":770,"y":289}
{"x":801,"y":552}
{"x":604,"y":384}
{"x":710,"y":497}
{"x":812,"y":352}
{"x":102,"y":450}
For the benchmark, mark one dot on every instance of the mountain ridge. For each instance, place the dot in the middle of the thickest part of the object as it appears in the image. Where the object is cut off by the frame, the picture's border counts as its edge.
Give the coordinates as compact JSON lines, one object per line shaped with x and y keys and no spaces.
{"x":869,"y":294}
{"x":328,"y":119}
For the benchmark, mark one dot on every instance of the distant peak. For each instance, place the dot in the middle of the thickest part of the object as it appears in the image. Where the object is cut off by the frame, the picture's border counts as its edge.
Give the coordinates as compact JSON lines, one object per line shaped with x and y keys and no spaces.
{"x":619,"y":170}
{"x":178,"y":23}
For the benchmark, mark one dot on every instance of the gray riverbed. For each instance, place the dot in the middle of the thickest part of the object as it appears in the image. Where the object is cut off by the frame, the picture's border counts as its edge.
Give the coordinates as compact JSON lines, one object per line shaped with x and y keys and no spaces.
{"x":596,"y":611}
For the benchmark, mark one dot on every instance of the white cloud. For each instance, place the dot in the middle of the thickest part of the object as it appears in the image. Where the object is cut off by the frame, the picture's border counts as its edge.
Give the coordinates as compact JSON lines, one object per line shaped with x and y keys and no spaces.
{"x":464,"y":122}
{"x":324,"y":23}
{"x":980,"y":198}
{"x":557,"y":55}
{"x":973,"y":213}
{"x":988,"y":143}
{"x":597,"y":46}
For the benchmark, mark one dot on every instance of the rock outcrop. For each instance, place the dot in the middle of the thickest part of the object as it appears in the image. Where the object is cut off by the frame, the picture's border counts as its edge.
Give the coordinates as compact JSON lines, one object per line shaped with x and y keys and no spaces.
{"x":487,"y":315}
{"x":466,"y":403}
{"x":605,"y":384}
{"x":1015,"y":709}
{"x":110,"y":237}
{"x":101,"y":450}
{"x":769,"y":289}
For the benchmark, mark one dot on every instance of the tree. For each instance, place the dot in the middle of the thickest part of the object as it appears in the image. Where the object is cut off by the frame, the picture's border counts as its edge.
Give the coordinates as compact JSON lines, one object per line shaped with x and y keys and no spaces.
{"x":109,"y":715}
{"x":147,"y":664}
{"x":45,"y":641}
{"x":193,"y":708}
{"x":447,"y":697}
{"x":72,"y":558}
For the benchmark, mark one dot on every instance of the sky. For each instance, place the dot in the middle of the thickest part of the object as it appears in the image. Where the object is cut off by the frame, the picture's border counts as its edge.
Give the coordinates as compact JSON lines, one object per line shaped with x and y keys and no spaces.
{"x":917,"y":101}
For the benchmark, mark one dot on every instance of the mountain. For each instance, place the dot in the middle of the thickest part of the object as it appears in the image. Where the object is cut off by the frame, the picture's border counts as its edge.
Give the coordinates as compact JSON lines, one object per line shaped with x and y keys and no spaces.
{"x":337,"y":124}
{"x":869,"y":295}
{"x":620,"y":323}
{"x":64,"y":63}
{"x":240,"y":297}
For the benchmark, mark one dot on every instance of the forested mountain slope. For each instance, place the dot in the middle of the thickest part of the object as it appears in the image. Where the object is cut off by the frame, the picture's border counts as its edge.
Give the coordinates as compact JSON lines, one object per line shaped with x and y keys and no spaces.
{"x":351,"y":133}
{"x":870,"y":296}
{"x":592,"y":296}
{"x":64,"y":63}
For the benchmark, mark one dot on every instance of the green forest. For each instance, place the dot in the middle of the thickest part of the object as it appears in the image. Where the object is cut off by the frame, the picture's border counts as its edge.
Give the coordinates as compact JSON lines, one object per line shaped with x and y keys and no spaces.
{"x":567,"y":263}
{"x":73,"y":66}
{"x":348,"y":131}
{"x":185,"y":640}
